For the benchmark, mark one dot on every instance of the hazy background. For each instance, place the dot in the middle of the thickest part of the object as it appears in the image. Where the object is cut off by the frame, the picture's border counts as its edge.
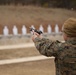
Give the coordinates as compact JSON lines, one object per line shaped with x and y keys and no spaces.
{"x":31,"y":12}
{"x":35,"y":12}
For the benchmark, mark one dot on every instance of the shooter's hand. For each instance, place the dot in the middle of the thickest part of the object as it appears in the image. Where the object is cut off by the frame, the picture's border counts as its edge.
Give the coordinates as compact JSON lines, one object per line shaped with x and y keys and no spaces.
{"x":35,"y":35}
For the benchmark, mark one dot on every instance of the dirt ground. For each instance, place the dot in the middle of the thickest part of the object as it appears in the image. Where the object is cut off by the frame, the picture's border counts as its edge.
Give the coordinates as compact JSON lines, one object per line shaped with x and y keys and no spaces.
{"x":24,"y":39}
{"x":18,"y":53}
{"x":42,"y":67}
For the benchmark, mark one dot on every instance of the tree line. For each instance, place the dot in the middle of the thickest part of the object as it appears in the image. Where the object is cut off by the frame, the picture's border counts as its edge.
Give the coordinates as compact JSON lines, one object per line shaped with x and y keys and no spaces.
{"x":44,"y":3}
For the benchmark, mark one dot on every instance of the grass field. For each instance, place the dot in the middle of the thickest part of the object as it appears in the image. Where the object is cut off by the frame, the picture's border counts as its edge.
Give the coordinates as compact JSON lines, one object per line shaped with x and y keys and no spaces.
{"x":31,"y":15}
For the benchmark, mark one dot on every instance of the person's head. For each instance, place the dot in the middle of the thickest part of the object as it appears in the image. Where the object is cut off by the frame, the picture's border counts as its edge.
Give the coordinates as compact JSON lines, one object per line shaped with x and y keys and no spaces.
{"x":69,"y":28}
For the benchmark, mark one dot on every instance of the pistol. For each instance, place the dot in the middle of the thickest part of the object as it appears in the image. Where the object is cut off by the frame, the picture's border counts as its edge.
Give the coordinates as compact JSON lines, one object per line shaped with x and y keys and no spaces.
{"x":37,"y":31}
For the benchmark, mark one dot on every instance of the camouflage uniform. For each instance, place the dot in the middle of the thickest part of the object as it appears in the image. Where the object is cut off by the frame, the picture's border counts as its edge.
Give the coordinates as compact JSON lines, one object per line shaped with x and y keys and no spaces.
{"x":64,"y":53}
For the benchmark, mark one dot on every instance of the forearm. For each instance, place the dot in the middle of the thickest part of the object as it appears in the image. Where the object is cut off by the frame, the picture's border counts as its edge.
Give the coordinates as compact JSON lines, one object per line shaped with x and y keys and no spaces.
{"x":45,"y":46}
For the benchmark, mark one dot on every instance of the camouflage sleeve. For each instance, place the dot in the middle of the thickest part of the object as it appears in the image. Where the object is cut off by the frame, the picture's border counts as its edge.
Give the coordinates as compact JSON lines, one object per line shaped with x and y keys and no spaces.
{"x":47,"y":47}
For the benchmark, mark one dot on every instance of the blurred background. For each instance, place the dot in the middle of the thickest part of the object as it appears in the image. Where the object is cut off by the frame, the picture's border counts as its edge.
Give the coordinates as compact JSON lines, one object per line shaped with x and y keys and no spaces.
{"x":16,"y":16}
{"x":35,"y":12}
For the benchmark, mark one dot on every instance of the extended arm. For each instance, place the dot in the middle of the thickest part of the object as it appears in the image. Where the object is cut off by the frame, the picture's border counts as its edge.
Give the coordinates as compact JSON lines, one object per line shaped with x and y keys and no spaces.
{"x":45,"y":46}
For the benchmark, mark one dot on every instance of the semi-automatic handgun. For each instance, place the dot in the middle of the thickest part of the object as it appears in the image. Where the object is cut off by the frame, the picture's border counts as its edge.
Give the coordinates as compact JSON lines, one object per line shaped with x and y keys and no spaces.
{"x":37,"y":31}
